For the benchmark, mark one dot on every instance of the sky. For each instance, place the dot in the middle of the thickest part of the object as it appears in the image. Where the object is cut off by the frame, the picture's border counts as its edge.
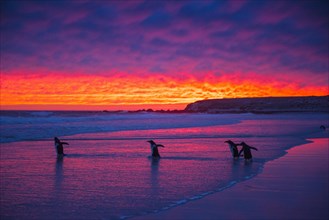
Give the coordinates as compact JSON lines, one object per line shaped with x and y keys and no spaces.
{"x":82,"y":55}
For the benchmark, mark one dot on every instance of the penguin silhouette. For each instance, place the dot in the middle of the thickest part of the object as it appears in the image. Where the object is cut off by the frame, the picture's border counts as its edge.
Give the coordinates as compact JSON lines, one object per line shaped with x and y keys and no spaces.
{"x":154,"y":149}
{"x":246,"y":151}
{"x":233,"y":148}
{"x":59,"y":147}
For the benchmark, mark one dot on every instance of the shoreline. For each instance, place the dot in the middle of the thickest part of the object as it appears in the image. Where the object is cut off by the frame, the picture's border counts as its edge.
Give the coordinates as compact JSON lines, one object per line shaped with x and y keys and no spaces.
{"x":287,"y":142}
{"x":294,"y":186}
{"x":9,"y":135}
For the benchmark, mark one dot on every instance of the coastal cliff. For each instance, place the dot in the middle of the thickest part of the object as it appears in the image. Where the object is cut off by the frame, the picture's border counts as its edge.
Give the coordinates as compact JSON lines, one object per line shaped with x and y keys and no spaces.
{"x":261,"y":105}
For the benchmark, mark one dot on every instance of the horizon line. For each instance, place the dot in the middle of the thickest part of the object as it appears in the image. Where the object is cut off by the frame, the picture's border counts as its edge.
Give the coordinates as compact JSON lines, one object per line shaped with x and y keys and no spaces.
{"x":123,"y":107}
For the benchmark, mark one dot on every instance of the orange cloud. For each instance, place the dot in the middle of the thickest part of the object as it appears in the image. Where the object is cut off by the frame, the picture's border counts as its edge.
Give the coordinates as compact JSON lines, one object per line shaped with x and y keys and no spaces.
{"x":59,"y":91}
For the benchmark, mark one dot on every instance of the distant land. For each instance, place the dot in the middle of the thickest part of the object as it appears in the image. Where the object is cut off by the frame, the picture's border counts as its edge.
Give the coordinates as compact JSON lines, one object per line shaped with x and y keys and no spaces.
{"x":261,"y":105}
{"x":264,"y":105}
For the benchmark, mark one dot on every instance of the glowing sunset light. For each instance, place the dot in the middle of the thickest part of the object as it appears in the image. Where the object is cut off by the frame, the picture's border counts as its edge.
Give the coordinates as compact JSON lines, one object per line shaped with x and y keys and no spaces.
{"x":135,"y":91}
{"x":159,"y":54}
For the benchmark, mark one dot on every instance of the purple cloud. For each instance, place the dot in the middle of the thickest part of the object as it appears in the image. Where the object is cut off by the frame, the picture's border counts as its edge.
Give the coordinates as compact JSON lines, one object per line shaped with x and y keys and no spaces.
{"x":167,"y":37}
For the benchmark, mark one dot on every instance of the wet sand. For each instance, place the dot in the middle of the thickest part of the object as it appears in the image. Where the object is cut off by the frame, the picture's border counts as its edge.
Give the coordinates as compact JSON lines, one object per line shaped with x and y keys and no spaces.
{"x":294,"y":186}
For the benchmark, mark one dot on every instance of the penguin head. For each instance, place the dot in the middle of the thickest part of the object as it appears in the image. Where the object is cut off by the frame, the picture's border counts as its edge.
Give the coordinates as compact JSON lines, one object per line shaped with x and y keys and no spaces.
{"x":56,"y":139}
{"x":151,"y":141}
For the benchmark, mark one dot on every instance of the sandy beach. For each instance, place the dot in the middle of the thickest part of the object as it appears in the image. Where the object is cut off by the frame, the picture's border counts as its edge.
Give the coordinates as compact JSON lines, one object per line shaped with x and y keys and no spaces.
{"x":294,"y":186}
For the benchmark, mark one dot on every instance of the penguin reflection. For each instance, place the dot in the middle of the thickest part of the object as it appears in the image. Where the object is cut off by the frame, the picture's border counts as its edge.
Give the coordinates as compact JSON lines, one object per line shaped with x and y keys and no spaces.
{"x":154,"y":178}
{"x":59,"y":174}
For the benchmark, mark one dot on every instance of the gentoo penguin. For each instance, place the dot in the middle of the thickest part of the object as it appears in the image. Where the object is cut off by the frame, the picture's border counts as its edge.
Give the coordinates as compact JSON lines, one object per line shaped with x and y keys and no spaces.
{"x":154,"y":149}
{"x":59,"y":147}
{"x":246,"y":151}
{"x":233,"y":148}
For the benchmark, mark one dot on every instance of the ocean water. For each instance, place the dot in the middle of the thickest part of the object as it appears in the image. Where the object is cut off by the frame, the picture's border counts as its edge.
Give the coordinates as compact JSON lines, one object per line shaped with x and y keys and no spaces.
{"x":108,"y":173}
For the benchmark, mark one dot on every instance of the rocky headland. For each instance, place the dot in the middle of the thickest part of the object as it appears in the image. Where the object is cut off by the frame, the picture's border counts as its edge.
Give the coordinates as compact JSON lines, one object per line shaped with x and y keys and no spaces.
{"x":261,"y":105}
